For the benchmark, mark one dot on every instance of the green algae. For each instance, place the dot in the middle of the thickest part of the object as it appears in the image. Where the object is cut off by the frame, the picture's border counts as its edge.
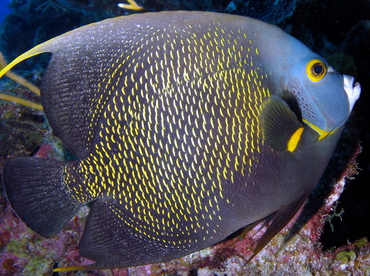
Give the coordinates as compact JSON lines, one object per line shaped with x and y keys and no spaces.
{"x":346,"y":256}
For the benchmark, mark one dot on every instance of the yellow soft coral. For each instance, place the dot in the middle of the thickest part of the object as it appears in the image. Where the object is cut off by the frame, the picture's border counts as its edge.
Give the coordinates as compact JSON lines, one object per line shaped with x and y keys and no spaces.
{"x":131,"y":6}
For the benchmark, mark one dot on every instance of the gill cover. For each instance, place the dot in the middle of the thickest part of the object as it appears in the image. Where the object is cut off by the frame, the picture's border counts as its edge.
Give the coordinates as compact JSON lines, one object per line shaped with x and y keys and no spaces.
{"x":325,"y":98}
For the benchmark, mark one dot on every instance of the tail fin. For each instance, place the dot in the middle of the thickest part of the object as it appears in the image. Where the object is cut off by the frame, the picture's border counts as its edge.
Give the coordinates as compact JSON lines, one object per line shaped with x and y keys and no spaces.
{"x":36,"y":191}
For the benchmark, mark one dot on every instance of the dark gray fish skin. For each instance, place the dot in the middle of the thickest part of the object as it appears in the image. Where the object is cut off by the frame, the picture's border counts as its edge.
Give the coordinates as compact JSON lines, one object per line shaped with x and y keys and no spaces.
{"x":183,"y":130}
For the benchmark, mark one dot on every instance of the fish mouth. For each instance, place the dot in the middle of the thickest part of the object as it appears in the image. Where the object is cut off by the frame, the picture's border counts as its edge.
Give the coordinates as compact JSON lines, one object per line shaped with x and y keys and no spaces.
{"x":353,"y":90}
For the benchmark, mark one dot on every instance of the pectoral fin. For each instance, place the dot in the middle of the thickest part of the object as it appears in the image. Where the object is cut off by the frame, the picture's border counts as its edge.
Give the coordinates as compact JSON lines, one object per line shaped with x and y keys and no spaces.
{"x":280,"y":125}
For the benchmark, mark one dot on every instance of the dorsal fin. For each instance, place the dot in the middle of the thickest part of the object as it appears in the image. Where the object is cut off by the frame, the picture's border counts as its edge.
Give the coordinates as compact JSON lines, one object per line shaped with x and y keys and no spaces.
{"x":63,"y":105}
{"x":80,"y":63}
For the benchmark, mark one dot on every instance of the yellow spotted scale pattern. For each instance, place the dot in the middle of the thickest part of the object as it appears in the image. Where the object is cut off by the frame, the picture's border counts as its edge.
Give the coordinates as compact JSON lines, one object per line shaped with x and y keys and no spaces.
{"x":177,"y":121}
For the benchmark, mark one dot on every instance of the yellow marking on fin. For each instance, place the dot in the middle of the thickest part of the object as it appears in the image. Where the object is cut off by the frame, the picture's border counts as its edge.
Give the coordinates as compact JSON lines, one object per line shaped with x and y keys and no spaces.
{"x":18,"y":78}
{"x":71,"y":268}
{"x":131,"y":6}
{"x":21,"y":81}
{"x":323,"y":133}
{"x":39,"y":49}
{"x":294,"y":139}
{"x":31,"y":53}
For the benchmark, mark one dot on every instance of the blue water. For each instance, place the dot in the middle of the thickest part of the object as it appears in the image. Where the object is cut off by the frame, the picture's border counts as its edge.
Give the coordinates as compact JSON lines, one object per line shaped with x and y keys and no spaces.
{"x":4,"y":9}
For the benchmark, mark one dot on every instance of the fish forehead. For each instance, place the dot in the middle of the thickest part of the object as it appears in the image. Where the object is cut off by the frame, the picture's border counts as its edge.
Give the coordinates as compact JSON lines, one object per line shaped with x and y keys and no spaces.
{"x":177,"y":120}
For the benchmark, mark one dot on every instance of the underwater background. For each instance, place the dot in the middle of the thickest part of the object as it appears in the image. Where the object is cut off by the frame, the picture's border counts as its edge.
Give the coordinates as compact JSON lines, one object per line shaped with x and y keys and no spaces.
{"x":4,"y":10}
{"x":332,"y":237}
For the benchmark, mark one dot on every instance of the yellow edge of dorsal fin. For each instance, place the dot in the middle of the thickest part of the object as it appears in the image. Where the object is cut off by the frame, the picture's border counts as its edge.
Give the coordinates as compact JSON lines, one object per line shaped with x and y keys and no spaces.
{"x":31,"y":53}
{"x":6,"y":71}
{"x":33,"y":88}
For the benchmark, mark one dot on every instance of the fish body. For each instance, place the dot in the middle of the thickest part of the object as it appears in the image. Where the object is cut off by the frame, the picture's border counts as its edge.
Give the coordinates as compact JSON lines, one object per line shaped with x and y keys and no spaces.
{"x":186,"y":127}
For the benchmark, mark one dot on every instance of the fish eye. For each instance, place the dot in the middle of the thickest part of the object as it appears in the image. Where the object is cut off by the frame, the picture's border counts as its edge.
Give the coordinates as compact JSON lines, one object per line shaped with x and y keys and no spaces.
{"x":316,"y":70}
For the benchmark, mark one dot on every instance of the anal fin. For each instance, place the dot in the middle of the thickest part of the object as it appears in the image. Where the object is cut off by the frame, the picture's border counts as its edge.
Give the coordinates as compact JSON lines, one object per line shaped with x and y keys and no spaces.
{"x":112,"y":239}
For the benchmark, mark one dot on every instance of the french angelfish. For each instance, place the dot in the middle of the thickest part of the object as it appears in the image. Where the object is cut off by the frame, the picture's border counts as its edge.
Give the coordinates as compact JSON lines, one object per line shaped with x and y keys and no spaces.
{"x":186,"y":127}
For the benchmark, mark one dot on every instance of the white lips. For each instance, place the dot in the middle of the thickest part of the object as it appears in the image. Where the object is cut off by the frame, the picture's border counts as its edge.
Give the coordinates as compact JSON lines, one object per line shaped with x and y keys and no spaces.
{"x":353,"y":91}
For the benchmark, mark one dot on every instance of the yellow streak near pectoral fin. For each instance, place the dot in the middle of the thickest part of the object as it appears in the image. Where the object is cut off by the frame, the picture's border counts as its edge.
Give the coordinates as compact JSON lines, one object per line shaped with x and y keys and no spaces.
{"x":323,"y":133}
{"x":294,"y":139}
{"x":9,"y":98}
